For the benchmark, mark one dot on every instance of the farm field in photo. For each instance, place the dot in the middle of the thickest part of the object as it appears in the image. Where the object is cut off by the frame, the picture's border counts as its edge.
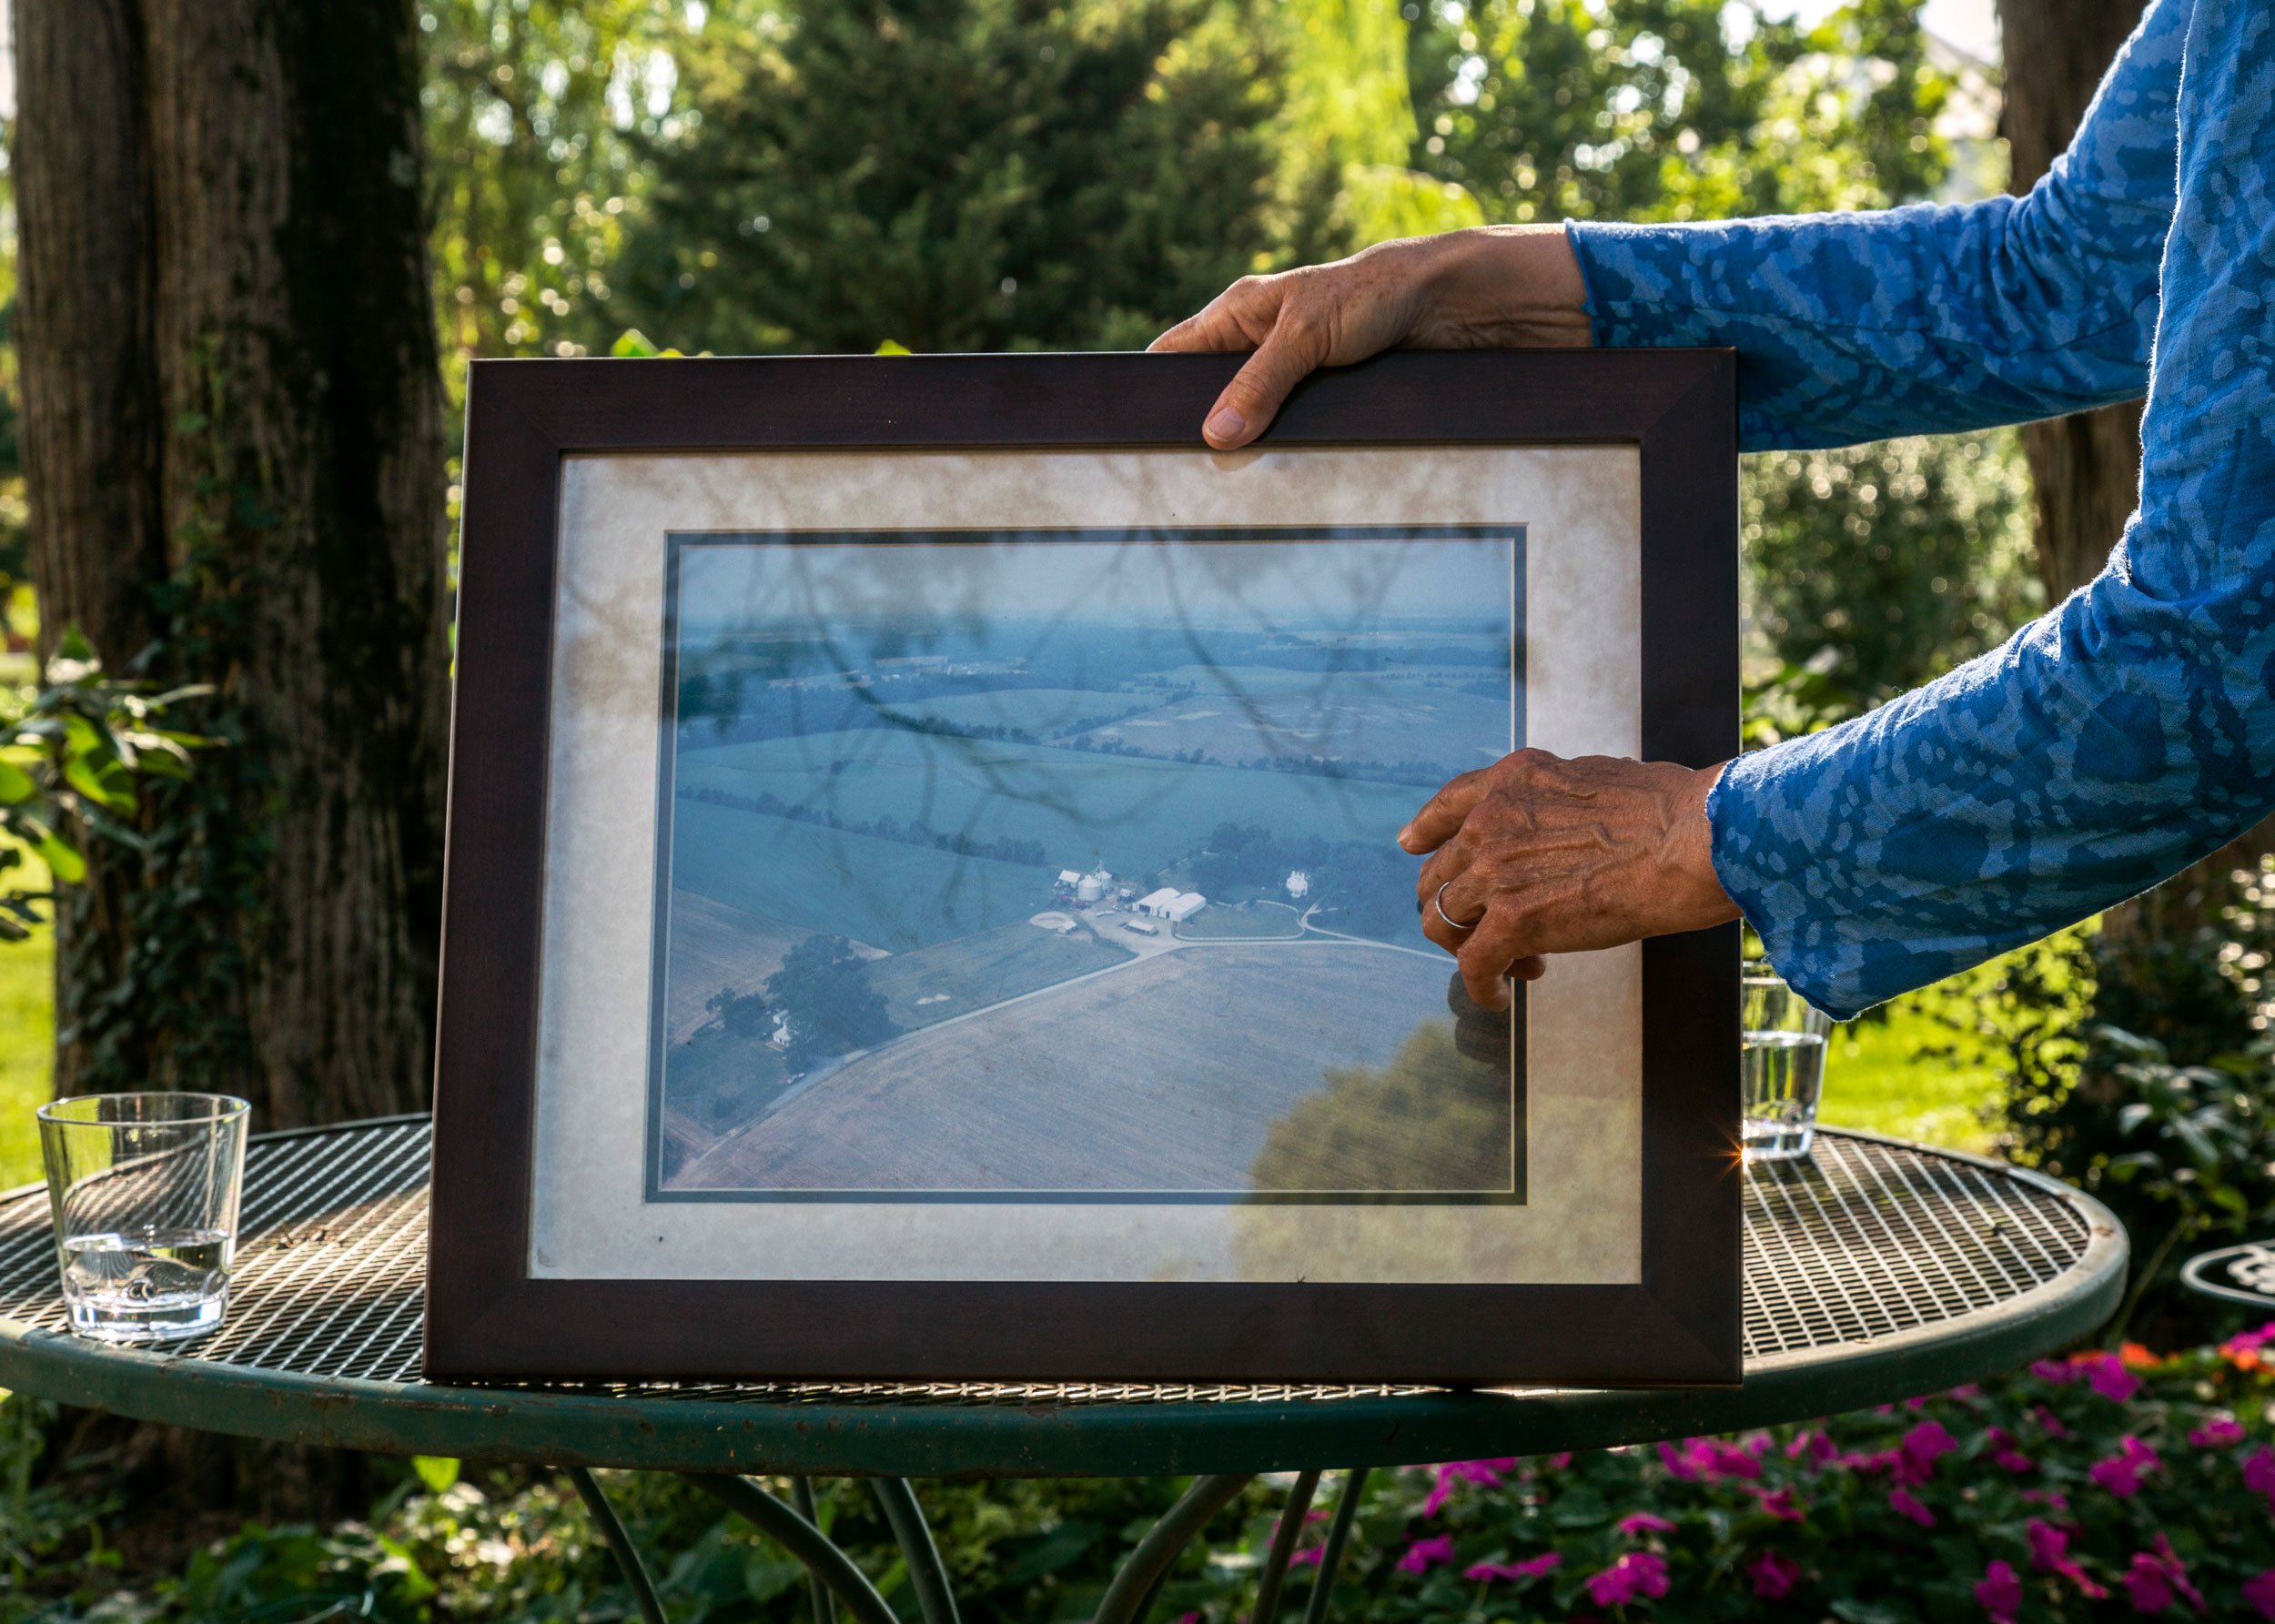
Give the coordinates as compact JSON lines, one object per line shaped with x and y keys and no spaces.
{"x":714,"y":948}
{"x":1133,"y":814}
{"x":954,"y":978}
{"x":1053,"y":865}
{"x":816,"y":878}
{"x":1167,"y":1075}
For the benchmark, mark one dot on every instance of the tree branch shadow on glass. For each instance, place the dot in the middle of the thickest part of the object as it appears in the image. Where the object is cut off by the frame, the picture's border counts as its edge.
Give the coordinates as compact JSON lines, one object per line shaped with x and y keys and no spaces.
{"x":144,"y":1188}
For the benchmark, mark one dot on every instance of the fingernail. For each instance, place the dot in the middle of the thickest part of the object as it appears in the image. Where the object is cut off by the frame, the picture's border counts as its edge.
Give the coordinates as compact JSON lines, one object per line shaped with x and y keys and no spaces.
{"x":1406,"y":834}
{"x":1225,"y":423}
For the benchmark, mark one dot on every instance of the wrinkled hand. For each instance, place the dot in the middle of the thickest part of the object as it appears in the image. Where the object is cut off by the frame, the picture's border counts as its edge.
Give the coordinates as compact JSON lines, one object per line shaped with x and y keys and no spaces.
{"x":1492,"y":287}
{"x":1538,"y":854}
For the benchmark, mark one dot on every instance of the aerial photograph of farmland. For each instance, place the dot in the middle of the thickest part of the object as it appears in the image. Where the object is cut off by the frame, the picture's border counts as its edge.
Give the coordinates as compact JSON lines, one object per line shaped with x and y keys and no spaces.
{"x":1062,"y":865}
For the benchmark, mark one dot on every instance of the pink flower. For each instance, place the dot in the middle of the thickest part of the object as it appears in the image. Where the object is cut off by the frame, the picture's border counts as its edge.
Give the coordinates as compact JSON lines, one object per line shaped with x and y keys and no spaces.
{"x":1773,"y":1576}
{"x":2046,"y":1496}
{"x":1309,"y":1556}
{"x":2260,"y":1592}
{"x":2156,"y":1576}
{"x":1718,"y":1459}
{"x":1560,"y":1460}
{"x":1425,"y":1553}
{"x":1917,"y":1454}
{"x":1677,"y":1463}
{"x":2000,"y":1593}
{"x":1487,"y":1472}
{"x":1905,"y":1503}
{"x":1531,"y":1567}
{"x":1637,"y":1524}
{"x":2216,"y":1433}
{"x":2121,"y":1473}
{"x":2259,"y":1473}
{"x":2105,"y":1374}
{"x":2049,"y":1553}
{"x":1780,"y":1504}
{"x":2055,"y":1372}
{"x":1637,"y":1573}
{"x":2249,"y":1342}
{"x":2050,"y":1423}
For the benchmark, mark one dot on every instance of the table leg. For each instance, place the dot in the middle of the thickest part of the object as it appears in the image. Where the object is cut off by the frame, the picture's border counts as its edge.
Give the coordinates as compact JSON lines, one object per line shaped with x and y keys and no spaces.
{"x":914,"y":1536}
{"x":816,"y":1593}
{"x":620,"y":1544}
{"x":1283,"y":1550}
{"x":1337,"y":1537}
{"x":1138,"y":1581}
{"x":805,"y":1541}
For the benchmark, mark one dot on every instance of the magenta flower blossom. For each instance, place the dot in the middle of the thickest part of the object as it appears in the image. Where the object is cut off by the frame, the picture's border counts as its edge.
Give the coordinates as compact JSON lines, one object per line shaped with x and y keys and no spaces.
{"x":2105,"y":1375}
{"x":2121,"y":1473}
{"x":1485,"y":1472}
{"x":1637,"y":1524}
{"x":2000,"y":1593}
{"x":2156,"y":1576}
{"x":2244,"y":1342}
{"x":1547,"y":1562}
{"x":2049,"y":1423}
{"x":2049,"y":1553}
{"x":1311,"y":1555}
{"x":1780,"y":1504}
{"x":1677,"y":1463}
{"x":1560,"y":1460}
{"x":2004,"y":1454}
{"x":1637,"y":1573}
{"x":1718,"y":1459}
{"x":2053,"y":1372}
{"x":1917,"y":1454}
{"x":1772,"y":1575}
{"x":2216,"y":1433}
{"x":2046,"y":1496}
{"x":1905,"y":1503}
{"x":2258,"y":1593}
{"x":2259,"y":1473}
{"x":1425,"y":1553}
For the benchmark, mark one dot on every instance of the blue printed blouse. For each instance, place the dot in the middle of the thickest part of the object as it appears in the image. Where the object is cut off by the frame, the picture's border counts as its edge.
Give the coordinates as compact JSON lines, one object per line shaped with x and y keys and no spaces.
{"x":2128,"y":731}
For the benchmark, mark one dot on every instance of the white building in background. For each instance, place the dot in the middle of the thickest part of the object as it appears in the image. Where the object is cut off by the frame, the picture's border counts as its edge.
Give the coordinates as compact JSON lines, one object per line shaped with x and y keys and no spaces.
{"x":1143,"y":927}
{"x":1069,"y":879}
{"x":1158,"y":901}
{"x":1298,"y":884}
{"x":1183,"y":906}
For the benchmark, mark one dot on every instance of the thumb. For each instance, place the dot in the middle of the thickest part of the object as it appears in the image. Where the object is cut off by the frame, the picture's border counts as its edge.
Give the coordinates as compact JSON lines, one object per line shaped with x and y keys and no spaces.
{"x":1253,"y":399}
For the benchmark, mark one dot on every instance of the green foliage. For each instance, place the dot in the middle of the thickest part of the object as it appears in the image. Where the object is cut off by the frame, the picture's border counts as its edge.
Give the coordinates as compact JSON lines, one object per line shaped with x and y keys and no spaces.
{"x":2075,"y":1475}
{"x":954,"y":175}
{"x":1673,"y":109}
{"x":1902,"y":558}
{"x":72,"y":752}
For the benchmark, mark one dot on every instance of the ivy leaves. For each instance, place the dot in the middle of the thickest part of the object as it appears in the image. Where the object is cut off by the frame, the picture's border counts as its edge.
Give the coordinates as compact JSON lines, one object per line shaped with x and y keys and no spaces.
{"x":72,"y":752}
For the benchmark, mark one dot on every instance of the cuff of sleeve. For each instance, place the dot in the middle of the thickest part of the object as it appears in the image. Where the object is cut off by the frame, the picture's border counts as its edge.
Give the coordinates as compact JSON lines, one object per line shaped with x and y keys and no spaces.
{"x":1742,"y":861}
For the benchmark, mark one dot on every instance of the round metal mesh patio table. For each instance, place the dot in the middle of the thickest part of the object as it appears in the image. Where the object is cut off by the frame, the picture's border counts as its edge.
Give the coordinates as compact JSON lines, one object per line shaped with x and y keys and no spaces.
{"x":1873,"y":1271}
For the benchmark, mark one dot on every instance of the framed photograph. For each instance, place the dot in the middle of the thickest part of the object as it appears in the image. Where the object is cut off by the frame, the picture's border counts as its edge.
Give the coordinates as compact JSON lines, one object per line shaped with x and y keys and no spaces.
{"x":923,"y":899}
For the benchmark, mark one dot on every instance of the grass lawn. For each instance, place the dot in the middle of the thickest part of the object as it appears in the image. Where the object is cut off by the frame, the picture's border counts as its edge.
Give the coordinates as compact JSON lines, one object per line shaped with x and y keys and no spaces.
{"x":27,"y":1034}
{"x":1873,"y":1081}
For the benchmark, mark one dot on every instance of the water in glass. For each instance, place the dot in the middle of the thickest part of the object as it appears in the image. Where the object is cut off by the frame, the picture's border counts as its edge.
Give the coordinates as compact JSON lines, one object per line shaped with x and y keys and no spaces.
{"x":143,"y":1188}
{"x":1781,"y":1067}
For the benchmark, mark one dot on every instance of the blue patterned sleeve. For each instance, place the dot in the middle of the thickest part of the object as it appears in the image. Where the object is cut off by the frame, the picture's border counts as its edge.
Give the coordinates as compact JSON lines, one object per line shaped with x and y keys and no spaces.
{"x":2126,"y":733}
{"x":1927,"y":319}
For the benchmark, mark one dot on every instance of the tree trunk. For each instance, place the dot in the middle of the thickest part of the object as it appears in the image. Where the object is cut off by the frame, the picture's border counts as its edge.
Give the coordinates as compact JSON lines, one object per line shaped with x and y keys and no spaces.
{"x":234,"y":458}
{"x":2086,"y":469}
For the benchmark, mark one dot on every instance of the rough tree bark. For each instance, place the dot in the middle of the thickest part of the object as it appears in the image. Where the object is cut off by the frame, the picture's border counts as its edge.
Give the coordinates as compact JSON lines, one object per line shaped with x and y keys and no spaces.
{"x":2086,"y":469}
{"x":234,"y":456}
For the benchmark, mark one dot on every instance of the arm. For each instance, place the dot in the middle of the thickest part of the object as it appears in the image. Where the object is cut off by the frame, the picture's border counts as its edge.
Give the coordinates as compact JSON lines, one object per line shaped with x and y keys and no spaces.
{"x":1927,"y":319}
{"x":2121,"y":737}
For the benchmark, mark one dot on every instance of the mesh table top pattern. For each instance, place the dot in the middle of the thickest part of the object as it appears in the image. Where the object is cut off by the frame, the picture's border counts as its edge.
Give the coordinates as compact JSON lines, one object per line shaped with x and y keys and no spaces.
{"x":1877,"y":1262}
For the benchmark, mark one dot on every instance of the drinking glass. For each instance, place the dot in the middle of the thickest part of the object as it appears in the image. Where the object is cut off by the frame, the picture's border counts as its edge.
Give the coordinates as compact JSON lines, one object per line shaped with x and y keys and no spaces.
{"x":143,"y":1188}
{"x":1783,"y":1060}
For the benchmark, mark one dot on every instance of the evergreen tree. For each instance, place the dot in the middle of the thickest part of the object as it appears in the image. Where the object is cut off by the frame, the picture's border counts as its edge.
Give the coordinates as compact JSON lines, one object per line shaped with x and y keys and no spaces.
{"x":954,"y":175}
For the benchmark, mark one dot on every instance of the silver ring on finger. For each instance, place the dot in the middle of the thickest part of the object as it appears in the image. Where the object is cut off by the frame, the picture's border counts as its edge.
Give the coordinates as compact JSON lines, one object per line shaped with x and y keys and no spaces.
{"x":1439,"y":903}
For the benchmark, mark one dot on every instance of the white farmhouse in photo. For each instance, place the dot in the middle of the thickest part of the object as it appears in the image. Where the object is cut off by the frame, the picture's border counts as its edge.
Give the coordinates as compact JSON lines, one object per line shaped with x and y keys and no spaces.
{"x":1158,"y":901}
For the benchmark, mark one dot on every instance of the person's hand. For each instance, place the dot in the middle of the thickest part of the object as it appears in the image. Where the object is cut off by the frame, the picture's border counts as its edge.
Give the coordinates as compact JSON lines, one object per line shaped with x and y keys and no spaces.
{"x":1493,"y":287}
{"x":1536,"y":854}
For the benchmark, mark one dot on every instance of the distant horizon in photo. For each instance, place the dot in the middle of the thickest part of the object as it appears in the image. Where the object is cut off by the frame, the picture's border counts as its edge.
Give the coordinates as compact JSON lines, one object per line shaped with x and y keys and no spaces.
{"x":1063,"y":867}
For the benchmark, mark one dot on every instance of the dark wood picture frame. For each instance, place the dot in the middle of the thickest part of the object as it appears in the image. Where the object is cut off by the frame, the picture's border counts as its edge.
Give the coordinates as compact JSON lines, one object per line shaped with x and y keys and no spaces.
{"x":487,"y":1317}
